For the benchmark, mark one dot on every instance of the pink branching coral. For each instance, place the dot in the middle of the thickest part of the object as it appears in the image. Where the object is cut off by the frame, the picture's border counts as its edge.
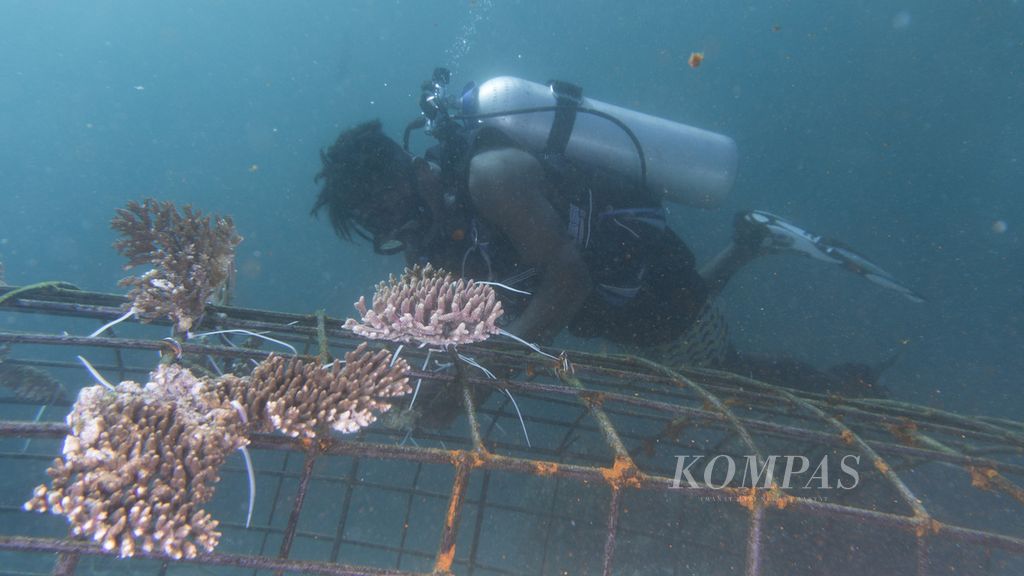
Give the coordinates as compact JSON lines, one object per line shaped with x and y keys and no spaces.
{"x":191,"y":258}
{"x":429,"y":306}
{"x":139,"y":463}
{"x":304,"y":399}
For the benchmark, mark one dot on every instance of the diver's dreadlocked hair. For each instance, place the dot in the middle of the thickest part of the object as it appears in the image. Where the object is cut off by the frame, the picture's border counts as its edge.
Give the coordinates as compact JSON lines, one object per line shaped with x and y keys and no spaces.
{"x":353,"y":167}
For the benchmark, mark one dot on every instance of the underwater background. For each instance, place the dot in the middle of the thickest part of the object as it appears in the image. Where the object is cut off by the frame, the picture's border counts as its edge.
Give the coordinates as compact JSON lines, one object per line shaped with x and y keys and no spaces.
{"x":897,"y":127}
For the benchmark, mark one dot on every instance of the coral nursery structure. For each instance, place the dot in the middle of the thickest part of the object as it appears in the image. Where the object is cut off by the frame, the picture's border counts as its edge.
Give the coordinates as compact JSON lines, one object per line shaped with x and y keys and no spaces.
{"x":600,"y":489}
{"x":938,"y":493}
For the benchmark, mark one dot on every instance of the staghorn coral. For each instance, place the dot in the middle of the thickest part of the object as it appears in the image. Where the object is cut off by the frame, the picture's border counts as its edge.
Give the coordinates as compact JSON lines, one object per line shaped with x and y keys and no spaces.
{"x":430,"y":306}
{"x":304,"y":399}
{"x":191,"y":259}
{"x":139,"y":463}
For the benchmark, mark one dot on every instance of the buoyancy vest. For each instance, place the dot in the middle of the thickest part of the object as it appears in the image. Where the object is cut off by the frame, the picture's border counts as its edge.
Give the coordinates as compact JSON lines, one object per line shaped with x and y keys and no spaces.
{"x":614,"y":224}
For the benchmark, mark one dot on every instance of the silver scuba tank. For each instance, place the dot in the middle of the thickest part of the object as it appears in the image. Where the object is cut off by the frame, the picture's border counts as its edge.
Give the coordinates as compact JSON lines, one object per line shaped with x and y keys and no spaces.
{"x":686,"y":165}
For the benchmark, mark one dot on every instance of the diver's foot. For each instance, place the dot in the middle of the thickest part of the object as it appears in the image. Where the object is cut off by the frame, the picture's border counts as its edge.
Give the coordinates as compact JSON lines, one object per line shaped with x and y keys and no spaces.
{"x":765,"y":233}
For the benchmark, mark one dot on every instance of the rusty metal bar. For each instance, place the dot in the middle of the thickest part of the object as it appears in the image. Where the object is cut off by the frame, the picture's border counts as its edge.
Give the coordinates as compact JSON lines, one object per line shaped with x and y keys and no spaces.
{"x":446,"y":551}
{"x":825,"y":438}
{"x":236,"y":352}
{"x":23,"y":428}
{"x":130,"y":343}
{"x":511,"y":463}
{"x":879,"y":409}
{"x":617,"y":474}
{"x":921,"y":553}
{"x":754,"y":538}
{"x":982,"y":478}
{"x":345,"y":507}
{"x":717,"y":403}
{"x":756,"y":505}
{"x":107,"y":306}
{"x":59,"y":546}
{"x":592,"y":401}
{"x":410,"y":498}
{"x":661,"y":483}
{"x":300,"y":497}
{"x":650,"y":390}
{"x":277,"y":499}
{"x":67,"y":563}
{"x":850,"y":437}
{"x":478,"y":525}
{"x":614,"y":506}
{"x":474,"y":422}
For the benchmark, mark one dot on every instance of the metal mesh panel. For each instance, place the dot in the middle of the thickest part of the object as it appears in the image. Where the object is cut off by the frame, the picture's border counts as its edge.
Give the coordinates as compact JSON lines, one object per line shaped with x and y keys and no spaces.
{"x":460,"y":491}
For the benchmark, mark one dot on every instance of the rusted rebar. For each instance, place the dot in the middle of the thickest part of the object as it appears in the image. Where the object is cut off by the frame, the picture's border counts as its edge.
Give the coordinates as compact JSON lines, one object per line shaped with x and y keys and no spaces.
{"x":446,"y":550}
{"x":67,"y":546}
{"x":604,"y":388}
{"x":614,"y":507}
{"x":300,"y":498}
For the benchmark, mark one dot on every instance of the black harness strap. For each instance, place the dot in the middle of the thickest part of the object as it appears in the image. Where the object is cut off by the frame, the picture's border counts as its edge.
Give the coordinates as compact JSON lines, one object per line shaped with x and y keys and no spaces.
{"x":568,"y":97}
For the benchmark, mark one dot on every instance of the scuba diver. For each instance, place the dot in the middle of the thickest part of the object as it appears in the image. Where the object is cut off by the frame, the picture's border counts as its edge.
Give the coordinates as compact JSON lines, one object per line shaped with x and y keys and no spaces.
{"x":559,"y":198}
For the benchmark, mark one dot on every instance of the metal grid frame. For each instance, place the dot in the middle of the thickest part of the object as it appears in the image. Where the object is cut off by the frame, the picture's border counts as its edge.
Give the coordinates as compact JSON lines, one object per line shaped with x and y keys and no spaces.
{"x":597,"y":394}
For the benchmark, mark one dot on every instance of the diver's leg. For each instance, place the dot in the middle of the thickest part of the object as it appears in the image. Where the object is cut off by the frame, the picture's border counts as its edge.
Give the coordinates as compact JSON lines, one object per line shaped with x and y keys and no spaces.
{"x":719,"y":270}
{"x":748,"y":242}
{"x":757,"y":232}
{"x":677,"y":315}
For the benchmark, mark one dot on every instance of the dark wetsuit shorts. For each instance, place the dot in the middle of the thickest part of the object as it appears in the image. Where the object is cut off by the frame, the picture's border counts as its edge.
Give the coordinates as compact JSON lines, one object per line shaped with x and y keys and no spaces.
{"x":670,"y":295}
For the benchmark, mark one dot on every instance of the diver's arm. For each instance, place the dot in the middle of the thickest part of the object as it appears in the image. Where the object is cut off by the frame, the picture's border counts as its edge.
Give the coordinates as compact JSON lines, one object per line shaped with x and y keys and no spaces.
{"x":507,"y":188}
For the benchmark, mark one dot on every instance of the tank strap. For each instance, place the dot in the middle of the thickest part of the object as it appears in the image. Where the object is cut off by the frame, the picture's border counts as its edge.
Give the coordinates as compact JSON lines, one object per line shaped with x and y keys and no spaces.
{"x":568,"y":97}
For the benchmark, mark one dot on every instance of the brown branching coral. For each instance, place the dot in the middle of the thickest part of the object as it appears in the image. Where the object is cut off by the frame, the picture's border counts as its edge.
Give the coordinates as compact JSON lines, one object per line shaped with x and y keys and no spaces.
{"x":191,"y":257}
{"x":429,"y":306}
{"x":140,"y":462}
{"x":304,"y":399}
